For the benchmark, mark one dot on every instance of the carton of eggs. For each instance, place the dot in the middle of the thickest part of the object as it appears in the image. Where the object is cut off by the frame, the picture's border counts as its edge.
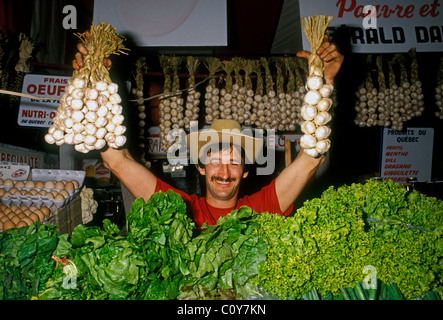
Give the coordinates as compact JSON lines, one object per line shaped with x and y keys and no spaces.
{"x":38,"y":192}
{"x":21,"y":216}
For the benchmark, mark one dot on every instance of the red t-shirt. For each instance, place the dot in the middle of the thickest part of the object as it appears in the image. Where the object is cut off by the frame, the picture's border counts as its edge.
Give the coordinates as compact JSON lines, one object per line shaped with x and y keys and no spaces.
{"x":264,"y":200}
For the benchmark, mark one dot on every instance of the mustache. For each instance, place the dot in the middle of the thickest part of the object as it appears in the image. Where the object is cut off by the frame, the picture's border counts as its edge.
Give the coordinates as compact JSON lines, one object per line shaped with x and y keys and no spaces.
{"x":215,"y":179}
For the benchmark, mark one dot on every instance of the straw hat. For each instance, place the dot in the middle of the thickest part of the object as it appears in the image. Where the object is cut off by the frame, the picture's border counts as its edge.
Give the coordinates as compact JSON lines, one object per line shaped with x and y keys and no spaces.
{"x":224,"y":131}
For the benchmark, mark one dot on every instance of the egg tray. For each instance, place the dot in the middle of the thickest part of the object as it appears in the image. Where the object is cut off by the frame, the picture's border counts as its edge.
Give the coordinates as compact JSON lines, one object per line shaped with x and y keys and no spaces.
{"x":37,"y":201}
{"x":66,"y":218}
{"x":59,"y":175}
{"x":47,"y":219}
{"x":46,"y":175}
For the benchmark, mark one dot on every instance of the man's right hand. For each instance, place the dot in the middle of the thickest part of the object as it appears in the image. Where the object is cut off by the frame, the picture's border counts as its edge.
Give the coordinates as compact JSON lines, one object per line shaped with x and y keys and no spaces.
{"x":78,"y":62}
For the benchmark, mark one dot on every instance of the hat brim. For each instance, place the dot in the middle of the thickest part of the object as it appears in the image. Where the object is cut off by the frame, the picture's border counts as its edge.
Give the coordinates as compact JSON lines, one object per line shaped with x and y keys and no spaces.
{"x":198,"y":142}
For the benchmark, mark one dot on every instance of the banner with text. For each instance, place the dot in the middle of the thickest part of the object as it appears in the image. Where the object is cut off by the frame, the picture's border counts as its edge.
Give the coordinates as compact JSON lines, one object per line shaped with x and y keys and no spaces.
{"x":382,"y":26}
{"x":407,"y":154}
{"x":39,"y":113}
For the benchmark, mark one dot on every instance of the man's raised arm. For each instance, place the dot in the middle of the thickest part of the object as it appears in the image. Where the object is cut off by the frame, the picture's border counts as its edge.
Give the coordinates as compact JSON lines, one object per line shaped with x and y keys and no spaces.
{"x":293,"y":179}
{"x":139,"y":180}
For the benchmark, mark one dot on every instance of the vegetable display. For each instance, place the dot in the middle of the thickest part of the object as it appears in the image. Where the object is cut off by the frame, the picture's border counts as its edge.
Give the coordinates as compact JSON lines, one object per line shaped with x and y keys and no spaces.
{"x":88,"y":204}
{"x":364,"y":241}
{"x":316,"y":100}
{"x":330,"y":240}
{"x":395,"y":97}
{"x":137,"y":92}
{"x":90,"y":114}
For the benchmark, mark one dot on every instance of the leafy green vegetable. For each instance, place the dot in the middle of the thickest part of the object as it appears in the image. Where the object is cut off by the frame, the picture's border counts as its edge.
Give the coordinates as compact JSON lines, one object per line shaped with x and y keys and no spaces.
{"x":224,"y":257}
{"x":329,"y":241}
{"x":320,"y":253}
{"x":25,"y":260}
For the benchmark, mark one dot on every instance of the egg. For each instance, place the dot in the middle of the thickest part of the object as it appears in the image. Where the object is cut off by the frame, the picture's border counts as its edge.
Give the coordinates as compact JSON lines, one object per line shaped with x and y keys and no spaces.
{"x":21,"y":224}
{"x":3,"y":206}
{"x":1,"y":225}
{"x":7,"y":210}
{"x":28,"y":221}
{"x":59,"y":185}
{"x":8,"y":225}
{"x":41,"y":193}
{"x":1,"y":181}
{"x":8,"y":182}
{"x":14,"y":207}
{"x":2,"y":192}
{"x":70,"y":185}
{"x":41,"y":215}
{"x":27,"y":212}
{"x":15,"y":219}
{"x":46,"y":211}
{"x":49,"y":184}
{"x":33,"y":192}
{"x":6,"y":194}
{"x":12,"y":190}
{"x":32,"y":208}
{"x":39,"y":184}
{"x":49,"y":195}
{"x":59,"y":197}
{"x":65,"y":194}
{"x":29,"y":184}
{"x":22,"y":215}
{"x":11,"y":214}
{"x":4,"y":218}
{"x":33,"y":216}
{"x":19,"y":184}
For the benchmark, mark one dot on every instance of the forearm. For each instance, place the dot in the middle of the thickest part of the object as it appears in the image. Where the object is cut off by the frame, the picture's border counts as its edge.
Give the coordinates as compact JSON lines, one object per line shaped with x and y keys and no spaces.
{"x":293,"y":179}
{"x":139,"y":180}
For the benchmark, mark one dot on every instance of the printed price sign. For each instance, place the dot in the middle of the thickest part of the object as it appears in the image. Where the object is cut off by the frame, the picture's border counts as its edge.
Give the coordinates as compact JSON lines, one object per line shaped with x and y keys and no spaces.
{"x":407,"y":154}
{"x":39,"y":113}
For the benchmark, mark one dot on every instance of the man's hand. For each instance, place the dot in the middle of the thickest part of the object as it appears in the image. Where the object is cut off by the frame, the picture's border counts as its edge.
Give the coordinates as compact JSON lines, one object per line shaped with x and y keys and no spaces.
{"x":332,"y":59}
{"x":78,"y":62}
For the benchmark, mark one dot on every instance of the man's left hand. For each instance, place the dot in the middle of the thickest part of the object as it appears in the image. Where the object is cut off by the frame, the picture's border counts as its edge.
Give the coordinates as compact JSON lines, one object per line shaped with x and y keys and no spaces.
{"x":332,"y":59}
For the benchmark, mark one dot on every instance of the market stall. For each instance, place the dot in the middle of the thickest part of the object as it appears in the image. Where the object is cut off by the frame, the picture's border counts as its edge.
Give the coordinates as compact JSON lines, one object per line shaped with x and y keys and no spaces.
{"x":354,"y":232}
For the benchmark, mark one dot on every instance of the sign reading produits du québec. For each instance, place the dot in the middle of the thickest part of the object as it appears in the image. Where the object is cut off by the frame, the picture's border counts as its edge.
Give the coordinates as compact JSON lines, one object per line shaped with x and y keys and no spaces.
{"x":407,"y":154}
{"x":39,"y":113}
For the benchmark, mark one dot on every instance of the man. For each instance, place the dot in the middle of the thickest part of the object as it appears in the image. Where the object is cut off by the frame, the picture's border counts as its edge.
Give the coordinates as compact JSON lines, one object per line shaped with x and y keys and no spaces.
{"x":224,"y":168}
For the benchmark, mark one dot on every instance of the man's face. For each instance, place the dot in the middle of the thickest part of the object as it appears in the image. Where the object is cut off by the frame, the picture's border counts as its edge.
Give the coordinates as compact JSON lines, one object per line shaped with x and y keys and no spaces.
{"x":223,"y":172}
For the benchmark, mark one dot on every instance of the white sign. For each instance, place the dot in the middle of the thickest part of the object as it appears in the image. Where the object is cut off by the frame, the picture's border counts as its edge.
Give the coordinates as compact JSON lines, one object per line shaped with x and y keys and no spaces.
{"x":171,"y":23}
{"x":407,"y":154}
{"x":39,"y":113}
{"x":382,"y":25}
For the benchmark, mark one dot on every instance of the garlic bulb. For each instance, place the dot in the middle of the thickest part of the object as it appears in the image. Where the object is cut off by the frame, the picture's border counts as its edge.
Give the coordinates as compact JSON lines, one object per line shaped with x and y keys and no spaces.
{"x":308,"y":127}
{"x":308,"y":141}
{"x":314,"y":82}
{"x":439,"y":91}
{"x":315,"y":140}
{"x":393,"y":102}
{"x":81,"y":125}
{"x":312,"y":97}
{"x":322,"y":132}
{"x":309,"y":112}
